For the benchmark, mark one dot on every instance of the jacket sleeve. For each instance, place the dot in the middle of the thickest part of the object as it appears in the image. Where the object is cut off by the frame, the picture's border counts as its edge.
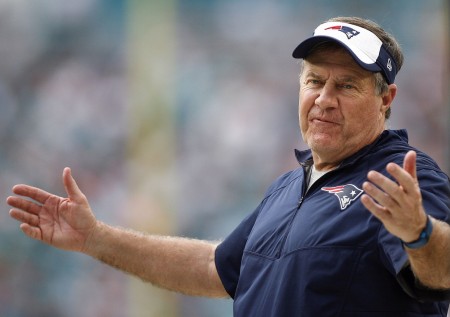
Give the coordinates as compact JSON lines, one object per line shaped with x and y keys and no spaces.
{"x":229,"y":254}
{"x":435,"y":189}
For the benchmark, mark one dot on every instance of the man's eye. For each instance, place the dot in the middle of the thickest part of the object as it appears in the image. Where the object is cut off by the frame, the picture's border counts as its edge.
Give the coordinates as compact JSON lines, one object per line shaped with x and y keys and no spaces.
{"x":313,"y":81}
{"x":347,"y":86}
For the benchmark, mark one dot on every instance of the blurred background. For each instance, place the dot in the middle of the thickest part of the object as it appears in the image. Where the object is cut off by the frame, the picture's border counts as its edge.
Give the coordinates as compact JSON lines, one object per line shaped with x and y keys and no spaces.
{"x":174,"y":116}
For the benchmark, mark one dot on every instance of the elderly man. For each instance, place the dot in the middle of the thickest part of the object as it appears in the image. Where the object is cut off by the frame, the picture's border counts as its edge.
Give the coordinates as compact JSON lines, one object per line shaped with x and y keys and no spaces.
{"x":359,"y":229}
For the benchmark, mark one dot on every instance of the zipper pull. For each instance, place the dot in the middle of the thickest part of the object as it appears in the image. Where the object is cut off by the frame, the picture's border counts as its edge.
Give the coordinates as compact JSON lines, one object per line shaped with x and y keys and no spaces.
{"x":300,"y":202}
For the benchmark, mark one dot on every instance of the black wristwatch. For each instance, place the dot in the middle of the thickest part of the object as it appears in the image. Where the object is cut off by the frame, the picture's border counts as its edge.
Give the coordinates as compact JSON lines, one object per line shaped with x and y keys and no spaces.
{"x":423,"y":237}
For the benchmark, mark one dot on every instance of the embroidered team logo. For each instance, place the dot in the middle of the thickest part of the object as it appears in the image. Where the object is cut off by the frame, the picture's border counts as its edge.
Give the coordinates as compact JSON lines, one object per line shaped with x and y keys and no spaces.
{"x":345,"y":193}
{"x":389,"y":65}
{"x":344,"y":29}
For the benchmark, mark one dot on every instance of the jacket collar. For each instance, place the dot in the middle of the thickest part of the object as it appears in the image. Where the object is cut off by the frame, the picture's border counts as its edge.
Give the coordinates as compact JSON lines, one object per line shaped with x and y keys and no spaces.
{"x":305,"y":159}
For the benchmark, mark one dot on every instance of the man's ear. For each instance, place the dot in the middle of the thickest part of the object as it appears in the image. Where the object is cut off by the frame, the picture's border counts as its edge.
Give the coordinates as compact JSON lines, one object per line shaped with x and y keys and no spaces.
{"x":388,"y":97}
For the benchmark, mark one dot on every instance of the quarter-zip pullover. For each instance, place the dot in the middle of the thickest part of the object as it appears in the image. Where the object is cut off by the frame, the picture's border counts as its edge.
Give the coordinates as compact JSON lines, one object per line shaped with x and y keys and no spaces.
{"x":319,"y":252}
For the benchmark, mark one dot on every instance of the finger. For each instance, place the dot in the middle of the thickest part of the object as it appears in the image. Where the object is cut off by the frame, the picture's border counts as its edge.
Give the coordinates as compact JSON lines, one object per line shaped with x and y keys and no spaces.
{"x":387,"y":185}
{"x":73,"y":191}
{"x":24,"y":217}
{"x":32,"y":192}
{"x":378,"y":211}
{"x":32,"y":232}
{"x":23,"y":204}
{"x":407,"y":182}
{"x":381,"y":197}
{"x":409,"y":164}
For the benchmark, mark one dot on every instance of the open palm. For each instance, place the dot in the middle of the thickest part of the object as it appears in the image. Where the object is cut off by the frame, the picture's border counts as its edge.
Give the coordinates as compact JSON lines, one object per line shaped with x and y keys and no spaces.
{"x":61,"y":222}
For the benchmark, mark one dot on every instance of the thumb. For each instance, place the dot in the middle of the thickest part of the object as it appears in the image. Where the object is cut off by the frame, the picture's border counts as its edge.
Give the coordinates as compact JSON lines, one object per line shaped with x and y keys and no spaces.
{"x":409,"y":164}
{"x":73,"y":191}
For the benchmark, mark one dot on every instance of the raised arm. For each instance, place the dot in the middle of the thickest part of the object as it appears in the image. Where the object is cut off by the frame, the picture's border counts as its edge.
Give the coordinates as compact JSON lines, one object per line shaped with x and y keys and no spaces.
{"x":177,"y":264}
{"x":399,"y":207}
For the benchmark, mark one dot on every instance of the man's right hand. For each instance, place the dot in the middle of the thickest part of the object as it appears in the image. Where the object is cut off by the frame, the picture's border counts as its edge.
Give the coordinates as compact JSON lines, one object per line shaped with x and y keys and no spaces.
{"x":65,"y":223}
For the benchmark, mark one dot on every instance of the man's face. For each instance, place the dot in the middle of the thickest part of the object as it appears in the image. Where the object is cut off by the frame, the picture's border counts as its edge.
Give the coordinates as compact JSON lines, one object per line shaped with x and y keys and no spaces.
{"x":339,"y":111}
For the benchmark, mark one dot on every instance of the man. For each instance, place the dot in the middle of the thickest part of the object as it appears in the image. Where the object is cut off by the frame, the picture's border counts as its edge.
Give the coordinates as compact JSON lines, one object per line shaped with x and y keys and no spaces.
{"x":359,"y":229}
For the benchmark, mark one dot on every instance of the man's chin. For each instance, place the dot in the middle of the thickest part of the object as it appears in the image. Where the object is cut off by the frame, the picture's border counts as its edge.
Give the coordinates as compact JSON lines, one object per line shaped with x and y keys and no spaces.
{"x":323,"y":142}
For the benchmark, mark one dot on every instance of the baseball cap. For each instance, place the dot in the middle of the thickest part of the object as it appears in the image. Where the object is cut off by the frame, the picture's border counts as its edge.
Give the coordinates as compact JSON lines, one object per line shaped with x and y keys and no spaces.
{"x":365,"y":47}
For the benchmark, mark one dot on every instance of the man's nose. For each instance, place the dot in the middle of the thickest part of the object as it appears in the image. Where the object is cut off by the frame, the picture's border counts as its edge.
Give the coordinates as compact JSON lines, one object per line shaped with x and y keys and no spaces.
{"x":327,"y":97}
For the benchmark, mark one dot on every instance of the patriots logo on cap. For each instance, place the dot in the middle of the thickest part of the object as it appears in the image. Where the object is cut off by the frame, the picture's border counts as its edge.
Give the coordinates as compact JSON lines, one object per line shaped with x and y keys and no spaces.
{"x":344,"y":29}
{"x":345,"y":193}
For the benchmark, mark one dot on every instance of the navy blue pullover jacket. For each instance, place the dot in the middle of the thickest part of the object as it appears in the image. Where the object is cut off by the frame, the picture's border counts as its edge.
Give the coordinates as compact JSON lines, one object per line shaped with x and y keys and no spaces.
{"x":320,"y":253}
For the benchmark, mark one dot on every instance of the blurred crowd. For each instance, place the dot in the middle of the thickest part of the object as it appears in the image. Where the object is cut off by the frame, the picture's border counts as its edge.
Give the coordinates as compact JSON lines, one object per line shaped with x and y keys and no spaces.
{"x":67,"y":99}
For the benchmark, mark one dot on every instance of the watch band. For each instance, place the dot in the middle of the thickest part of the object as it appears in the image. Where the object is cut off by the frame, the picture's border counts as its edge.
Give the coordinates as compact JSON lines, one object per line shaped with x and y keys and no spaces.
{"x":423,"y":237}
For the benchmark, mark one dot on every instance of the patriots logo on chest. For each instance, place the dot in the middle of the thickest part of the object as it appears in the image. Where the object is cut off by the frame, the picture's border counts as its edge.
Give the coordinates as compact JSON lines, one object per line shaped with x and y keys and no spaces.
{"x":345,"y":193}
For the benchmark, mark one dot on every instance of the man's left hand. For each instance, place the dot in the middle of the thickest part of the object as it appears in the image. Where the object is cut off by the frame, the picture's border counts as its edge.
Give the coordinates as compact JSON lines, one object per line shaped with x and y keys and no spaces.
{"x":397,"y":203}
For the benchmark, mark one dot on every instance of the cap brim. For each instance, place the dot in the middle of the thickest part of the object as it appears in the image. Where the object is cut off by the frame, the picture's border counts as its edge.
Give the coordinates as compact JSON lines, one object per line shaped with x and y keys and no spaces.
{"x":304,"y":48}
